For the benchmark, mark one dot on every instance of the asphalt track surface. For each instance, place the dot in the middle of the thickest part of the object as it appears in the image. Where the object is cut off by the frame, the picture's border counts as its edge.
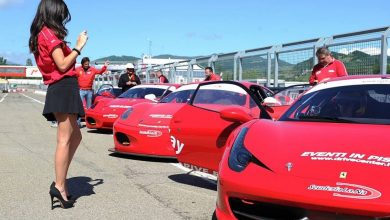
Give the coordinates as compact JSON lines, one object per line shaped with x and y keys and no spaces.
{"x":107,"y":186}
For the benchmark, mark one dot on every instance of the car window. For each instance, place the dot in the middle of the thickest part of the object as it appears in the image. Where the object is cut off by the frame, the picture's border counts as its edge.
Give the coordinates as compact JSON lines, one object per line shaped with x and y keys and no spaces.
{"x":140,"y":93}
{"x":260,"y":93}
{"x":359,"y":104}
{"x":178,"y":97}
{"x":217,"y":96}
{"x":104,"y":88}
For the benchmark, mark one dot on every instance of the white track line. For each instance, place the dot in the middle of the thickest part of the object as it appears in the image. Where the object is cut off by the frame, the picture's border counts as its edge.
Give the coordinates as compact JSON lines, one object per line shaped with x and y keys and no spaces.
{"x":2,"y":99}
{"x":207,"y":177}
{"x":33,"y":99}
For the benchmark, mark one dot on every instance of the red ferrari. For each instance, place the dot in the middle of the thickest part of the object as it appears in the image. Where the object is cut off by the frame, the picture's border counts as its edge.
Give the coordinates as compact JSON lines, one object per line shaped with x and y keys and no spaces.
{"x":143,"y":129}
{"x":143,"y":126}
{"x":103,"y":114}
{"x":327,"y":157}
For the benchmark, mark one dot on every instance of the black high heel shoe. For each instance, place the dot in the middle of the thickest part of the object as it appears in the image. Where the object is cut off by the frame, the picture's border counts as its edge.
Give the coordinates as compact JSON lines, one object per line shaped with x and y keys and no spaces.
{"x":70,"y":197}
{"x":55,"y":193}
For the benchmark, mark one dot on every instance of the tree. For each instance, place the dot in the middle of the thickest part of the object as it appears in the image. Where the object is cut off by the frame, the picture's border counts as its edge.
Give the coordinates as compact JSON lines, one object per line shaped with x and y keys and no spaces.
{"x":29,"y":62}
{"x":3,"y":61}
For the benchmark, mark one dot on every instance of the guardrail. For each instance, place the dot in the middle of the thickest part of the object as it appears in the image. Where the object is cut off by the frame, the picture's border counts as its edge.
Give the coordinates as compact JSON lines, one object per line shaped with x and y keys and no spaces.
{"x":363,"y":52}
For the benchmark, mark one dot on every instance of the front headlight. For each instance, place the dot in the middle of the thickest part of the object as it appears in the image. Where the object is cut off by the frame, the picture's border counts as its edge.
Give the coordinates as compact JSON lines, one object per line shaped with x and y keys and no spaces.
{"x":126,"y":114}
{"x":239,"y":157}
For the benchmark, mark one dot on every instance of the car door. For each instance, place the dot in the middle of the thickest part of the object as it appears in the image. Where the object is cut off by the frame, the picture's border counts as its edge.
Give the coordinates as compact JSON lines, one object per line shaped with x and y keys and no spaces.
{"x":198,"y":133}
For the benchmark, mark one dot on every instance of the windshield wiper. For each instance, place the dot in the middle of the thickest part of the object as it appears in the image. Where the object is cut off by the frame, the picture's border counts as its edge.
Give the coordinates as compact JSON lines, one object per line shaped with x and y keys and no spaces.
{"x":325,"y":119}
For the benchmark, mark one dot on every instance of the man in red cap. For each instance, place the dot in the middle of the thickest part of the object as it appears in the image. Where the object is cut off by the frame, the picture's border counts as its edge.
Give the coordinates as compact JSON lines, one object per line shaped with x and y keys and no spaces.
{"x":328,"y":67}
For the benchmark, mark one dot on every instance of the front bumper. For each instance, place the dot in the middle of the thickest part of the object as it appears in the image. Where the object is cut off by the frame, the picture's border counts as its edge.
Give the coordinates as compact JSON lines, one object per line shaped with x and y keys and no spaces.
{"x":96,"y":120}
{"x":135,"y":140}
{"x":257,"y":193}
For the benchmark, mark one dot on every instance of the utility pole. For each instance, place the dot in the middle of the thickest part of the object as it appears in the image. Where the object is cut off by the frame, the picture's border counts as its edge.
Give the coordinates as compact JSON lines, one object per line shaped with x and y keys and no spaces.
{"x":150,"y":47}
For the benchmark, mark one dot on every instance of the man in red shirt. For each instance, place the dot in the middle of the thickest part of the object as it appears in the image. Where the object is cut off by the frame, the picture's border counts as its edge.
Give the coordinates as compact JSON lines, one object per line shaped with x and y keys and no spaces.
{"x":86,"y":75}
{"x":328,"y":67}
{"x":210,"y":75}
{"x":161,"y":77}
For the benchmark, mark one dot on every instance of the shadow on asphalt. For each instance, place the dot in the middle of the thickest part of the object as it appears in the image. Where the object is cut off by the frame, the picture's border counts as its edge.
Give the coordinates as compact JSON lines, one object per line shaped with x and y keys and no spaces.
{"x":82,"y":186}
{"x":100,"y":131}
{"x":144,"y":158}
{"x":193,"y":181}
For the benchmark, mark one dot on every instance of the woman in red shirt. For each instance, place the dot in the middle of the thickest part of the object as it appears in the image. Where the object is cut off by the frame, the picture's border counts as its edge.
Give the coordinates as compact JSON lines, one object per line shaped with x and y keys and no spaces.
{"x":56,"y":61}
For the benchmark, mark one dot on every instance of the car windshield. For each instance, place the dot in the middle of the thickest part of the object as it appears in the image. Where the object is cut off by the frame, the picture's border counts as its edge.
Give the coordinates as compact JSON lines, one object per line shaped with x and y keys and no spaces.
{"x":114,"y":91}
{"x":366,"y":104}
{"x":178,"y":96}
{"x":141,"y":92}
{"x":220,"y":97}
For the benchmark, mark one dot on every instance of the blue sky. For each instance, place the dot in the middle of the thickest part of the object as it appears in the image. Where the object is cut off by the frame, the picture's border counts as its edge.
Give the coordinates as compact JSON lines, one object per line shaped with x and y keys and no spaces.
{"x":192,"y":28}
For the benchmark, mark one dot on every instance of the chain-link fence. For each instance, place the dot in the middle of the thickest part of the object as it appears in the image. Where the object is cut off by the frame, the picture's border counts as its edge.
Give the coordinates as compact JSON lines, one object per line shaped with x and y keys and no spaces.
{"x":360,"y":58}
{"x":254,"y":68}
{"x":295,"y":66}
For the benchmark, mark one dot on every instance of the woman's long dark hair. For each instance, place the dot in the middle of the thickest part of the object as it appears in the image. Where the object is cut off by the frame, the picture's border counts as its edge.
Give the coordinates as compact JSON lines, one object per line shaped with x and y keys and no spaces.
{"x":53,"y":14}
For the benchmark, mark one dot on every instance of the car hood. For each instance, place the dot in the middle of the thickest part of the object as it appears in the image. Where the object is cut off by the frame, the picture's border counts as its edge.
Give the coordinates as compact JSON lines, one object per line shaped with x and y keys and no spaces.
{"x":159,"y":114}
{"x":118,"y":106}
{"x":357,"y":153}
{"x":124,"y":103}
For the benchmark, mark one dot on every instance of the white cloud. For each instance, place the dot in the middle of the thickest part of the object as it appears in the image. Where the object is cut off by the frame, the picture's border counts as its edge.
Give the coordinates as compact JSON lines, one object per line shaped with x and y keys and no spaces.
{"x":16,"y":58}
{"x":5,"y":3}
{"x":367,"y":50}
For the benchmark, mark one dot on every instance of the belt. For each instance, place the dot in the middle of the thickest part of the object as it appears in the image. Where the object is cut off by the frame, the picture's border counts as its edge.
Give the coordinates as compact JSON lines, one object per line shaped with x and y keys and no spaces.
{"x":86,"y":89}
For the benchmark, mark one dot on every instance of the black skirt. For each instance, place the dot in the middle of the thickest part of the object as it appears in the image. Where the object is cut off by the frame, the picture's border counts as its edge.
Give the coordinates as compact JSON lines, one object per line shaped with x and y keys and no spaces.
{"x":63,"y":97}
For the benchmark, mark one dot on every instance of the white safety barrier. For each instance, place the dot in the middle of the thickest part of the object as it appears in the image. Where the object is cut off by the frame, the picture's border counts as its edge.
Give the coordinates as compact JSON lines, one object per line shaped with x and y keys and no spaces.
{"x":40,"y":92}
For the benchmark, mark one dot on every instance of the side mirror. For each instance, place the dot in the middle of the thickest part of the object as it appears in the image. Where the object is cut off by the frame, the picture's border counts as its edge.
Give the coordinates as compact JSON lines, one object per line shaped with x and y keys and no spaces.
{"x":151,"y":97}
{"x":270,"y":102}
{"x":235,"y":115}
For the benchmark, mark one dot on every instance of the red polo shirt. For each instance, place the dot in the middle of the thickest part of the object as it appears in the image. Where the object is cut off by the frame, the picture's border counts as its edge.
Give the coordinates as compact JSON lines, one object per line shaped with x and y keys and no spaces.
{"x":213,"y":77}
{"x":47,"y":42}
{"x":86,"y":78}
{"x":334,"y":69}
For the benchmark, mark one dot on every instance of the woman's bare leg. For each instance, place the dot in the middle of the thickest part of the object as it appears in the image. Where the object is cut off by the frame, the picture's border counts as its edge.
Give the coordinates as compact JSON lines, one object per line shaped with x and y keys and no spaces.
{"x":75,"y":142}
{"x":62,"y":155}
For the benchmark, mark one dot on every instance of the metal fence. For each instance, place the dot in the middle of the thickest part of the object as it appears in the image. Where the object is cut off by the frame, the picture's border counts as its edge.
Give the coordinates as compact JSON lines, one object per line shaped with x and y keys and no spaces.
{"x":363,"y":52}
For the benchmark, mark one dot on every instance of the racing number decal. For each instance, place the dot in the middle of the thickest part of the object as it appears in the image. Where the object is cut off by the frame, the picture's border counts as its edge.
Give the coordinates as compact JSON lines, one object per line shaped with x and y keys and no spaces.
{"x":177,"y":145}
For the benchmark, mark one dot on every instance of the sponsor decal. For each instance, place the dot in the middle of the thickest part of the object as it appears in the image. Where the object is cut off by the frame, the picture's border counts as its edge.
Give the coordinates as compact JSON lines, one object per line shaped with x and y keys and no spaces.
{"x":33,"y":72}
{"x":177,"y":145}
{"x":160,"y":116}
{"x":347,"y":190}
{"x":153,"y":126}
{"x":119,"y":106}
{"x":331,"y":71}
{"x":110,"y":116}
{"x":200,"y":169}
{"x":348,"y":157}
{"x":151,"y":133}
